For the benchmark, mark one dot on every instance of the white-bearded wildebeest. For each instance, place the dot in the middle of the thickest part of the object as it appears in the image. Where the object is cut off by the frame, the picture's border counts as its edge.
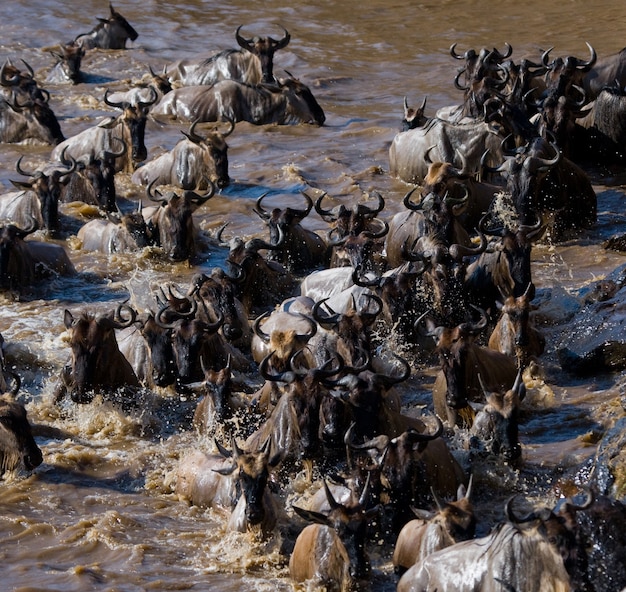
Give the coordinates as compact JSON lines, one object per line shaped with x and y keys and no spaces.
{"x":537,"y":552}
{"x":109,"y":33}
{"x":67,"y":67}
{"x":171,"y":223}
{"x":129,"y":127}
{"x":120,"y":233}
{"x":252,"y":64}
{"x":38,"y":199}
{"x":236,"y":480}
{"x":191,"y":162}
{"x":96,"y":364}
{"x":429,"y":532}
{"x":287,"y":101}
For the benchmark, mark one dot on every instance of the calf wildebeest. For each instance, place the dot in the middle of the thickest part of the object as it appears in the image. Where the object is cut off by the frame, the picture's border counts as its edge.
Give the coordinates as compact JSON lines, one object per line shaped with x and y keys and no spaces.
{"x":191,"y":162}
{"x":297,"y":248}
{"x":462,"y":360}
{"x":120,"y":233}
{"x":38,"y":199}
{"x":109,"y":33}
{"x":96,"y":363}
{"x":495,"y":426}
{"x":129,"y":127}
{"x":332,"y":552}
{"x":536,"y":552}
{"x":515,"y":333}
{"x":453,"y":522}
{"x":288,"y":101}
{"x":171,"y":223}
{"x":17,"y":445}
{"x":67,"y":67}
{"x":23,"y":263}
{"x":252,"y":64}
{"x":241,"y":479}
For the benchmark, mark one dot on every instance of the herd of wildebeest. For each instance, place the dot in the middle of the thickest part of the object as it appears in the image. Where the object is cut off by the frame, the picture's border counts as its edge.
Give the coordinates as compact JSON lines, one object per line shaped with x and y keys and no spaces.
{"x":449,"y":277}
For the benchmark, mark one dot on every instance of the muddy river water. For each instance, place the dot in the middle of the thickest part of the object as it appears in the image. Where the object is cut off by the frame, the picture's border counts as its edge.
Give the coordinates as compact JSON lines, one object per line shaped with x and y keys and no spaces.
{"x":100,"y":512}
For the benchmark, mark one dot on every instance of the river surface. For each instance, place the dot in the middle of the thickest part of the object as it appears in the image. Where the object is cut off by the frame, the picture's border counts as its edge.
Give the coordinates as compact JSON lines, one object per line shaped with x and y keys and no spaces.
{"x":100,"y":512}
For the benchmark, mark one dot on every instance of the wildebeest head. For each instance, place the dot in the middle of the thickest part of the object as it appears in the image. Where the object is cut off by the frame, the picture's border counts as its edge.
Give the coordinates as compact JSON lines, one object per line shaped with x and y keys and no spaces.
{"x":17,"y":445}
{"x":218,"y":292}
{"x":173,"y":222}
{"x":264,"y":48}
{"x":69,"y":58}
{"x":350,"y":522}
{"x":253,"y":472}
{"x":94,"y":181}
{"x":93,"y":344}
{"x":109,"y":33}
{"x":413,"y":118}
{"x":11,"y":265}
{"x":47,"y":187}
{"x":497,"y":423}
{"x":302,"y":107}
{"x":454,"y":346}
{"x":216,"y":158}
{"x":133,"y":121}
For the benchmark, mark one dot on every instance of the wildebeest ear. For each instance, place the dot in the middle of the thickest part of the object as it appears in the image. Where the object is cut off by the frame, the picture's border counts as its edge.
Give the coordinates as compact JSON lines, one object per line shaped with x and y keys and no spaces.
{"x":312,"y":516}
{"x":21,"y":184}
{"x":68,"y":319}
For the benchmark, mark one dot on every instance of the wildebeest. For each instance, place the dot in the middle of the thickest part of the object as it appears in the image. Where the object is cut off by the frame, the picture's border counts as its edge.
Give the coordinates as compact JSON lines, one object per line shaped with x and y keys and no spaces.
{"x":525,"y":554}
{"x":407,"y":154}
{"x":262,"y":283}
{"x":171,"y":223}
{"x":239,"y":482}
{"x":109,"y":33}
{"x":191,"y":162}
{"x":119,"y":233}
{"x":38,"y":199}
{"x":297,"y":248}
{"x":543,"y":182}
{"x":287,"y":101}
{"x":453,"y":522}
{"x":515,"y":333}
{"x":93,"y":180}
{"x":67,"y":68}
{"x":17,"y":445}
{"x":23,"y":263}
{"x":495,"y":426}
{"x":24,"y":119}
{"x":462,"y":360}
{"x":332,"y":552}
{"x":96,"y":363}
{"x":129,"y":127}
{"x":252,"y":64}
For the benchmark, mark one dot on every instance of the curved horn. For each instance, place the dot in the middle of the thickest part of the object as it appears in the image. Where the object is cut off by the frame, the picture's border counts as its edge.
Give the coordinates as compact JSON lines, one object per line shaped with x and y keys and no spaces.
{"x":325,"y":320}
{"x":154,"y":194}
{"x":191,"y":135}
{"x":258,"y":209}
{"x":586,"y":66}
{"x":321,"y":211}
{"x":121,"y":322}
{"x":120,"y":105}
{"x":457,"y":84}
{"x":21,"y":171}
{"x":242,"y":41}
{"x":256,"y":327}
